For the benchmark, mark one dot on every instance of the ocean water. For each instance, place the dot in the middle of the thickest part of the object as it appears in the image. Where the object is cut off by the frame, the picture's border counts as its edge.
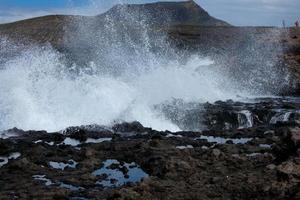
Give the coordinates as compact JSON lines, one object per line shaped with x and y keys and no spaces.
{"x":39,"y":92}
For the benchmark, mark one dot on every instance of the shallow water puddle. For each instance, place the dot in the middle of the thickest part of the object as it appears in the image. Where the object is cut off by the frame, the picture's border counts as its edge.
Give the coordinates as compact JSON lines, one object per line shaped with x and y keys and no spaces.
{"x":184,"y":147}
{"x":48,"y":182}
{"x":70,"y":187}
{"x":41,"y":141}
{"x":221,"y":140}
{"x":92,"y":140}
{"x":172,"y":135}
{"x":62,"y":166}
{"x":266,"y":146}
{"x":43,"y":178}
{"x":118,"y":174}
{"x":74,"y":142}
{"x":4,"y":160}
{"x":254,"y":154}
{"x":71,"y":142}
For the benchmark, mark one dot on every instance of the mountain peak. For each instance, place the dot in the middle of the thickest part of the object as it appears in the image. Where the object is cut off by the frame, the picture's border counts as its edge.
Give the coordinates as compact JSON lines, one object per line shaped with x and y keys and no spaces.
{"x":165,"y":13}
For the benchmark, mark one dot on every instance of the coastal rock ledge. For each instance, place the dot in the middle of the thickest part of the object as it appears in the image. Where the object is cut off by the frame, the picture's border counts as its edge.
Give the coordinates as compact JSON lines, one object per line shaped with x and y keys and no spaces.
{"x":129,"y":161}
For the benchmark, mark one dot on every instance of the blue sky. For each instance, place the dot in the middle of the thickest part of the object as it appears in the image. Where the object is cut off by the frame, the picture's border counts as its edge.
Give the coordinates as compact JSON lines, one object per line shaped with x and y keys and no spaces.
{"x":236,"y":12}
{"x":32,"y":3}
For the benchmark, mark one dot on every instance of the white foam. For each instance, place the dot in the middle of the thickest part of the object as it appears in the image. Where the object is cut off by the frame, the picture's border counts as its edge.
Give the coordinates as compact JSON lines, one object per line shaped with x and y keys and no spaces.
{"x":75,"y":143}
{"x":41,"y":141}
{"x":172,"y":135}
{"x":245,"y":119}
{"x":71,"y":142}
{"x":38,"y":92}
{"x":14,"y":155}
{"x":281,"y":116}
{"x":184,"y":147}
{"x":5,"y":160}
{"x":221,"y":140}
{"x":43,"y":178}
{"x":62,"y":165}
{"x":92,"y":140}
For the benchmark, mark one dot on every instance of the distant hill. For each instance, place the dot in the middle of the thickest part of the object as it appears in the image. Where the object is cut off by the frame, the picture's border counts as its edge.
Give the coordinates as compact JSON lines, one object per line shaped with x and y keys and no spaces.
{"x":52,"y":28}
{"x":165,"y":13}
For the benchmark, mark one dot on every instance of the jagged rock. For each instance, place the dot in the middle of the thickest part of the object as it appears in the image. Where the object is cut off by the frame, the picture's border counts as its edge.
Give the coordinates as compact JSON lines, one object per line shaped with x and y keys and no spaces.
{"x":295,"y":136}
{"x":216,"y":152}
{"x":128,"y":194}
{"x":5,"y":147}
{"x":220,"y":171}
{"x":129,"y":127}
{"x":79,"y":134}
{"x":289,"y":168}
{"x":271,"y":167}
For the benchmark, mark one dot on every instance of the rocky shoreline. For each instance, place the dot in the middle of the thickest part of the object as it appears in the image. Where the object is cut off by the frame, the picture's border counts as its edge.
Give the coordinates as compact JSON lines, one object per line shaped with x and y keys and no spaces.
{"x":129,"y":161}
{"x":229,"y":150}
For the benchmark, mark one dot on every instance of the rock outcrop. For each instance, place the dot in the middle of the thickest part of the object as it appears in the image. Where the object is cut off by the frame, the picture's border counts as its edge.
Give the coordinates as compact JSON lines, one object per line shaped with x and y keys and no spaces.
{"x":163,"y":14}
{"x":133,"y":162}
{"x":52,"y":28}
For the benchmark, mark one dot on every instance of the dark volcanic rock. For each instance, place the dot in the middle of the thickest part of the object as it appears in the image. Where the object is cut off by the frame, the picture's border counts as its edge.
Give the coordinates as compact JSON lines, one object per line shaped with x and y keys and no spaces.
{"x":126,"y":127}
{"x":295,"y":137}
{"x":175,"y":168}
{"x":232,"y":115}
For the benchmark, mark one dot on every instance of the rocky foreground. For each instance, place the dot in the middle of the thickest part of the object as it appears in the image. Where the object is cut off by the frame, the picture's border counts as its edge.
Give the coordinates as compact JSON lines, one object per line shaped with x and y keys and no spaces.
{"x":128,"y":161}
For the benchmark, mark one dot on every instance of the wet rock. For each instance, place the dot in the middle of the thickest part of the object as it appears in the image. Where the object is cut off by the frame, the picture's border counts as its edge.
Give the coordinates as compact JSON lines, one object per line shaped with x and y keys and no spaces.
{"x":216,"y":179}
{"x":77,"y":134}
{"x":127,"y":194}
{"x":284,"y":146}
{"x":232,"y":115}
{"x":216,"y":152}
{"x":271,"y":167}
{"x":16,"y":131}
{"x":129,"y":127}
{"x":289,"y":168}
{"x":207,"y":171}
{"x":20,"y":164}
{"x":269,"y":133}
{"x":295,"y":136}
{"x":5,"y":147}
{"x":204,"y":147}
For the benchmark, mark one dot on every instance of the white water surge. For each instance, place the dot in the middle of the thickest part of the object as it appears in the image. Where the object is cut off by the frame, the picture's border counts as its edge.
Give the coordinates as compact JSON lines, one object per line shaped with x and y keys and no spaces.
{"x":37,"y":91}
{"x":122,"y":71}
